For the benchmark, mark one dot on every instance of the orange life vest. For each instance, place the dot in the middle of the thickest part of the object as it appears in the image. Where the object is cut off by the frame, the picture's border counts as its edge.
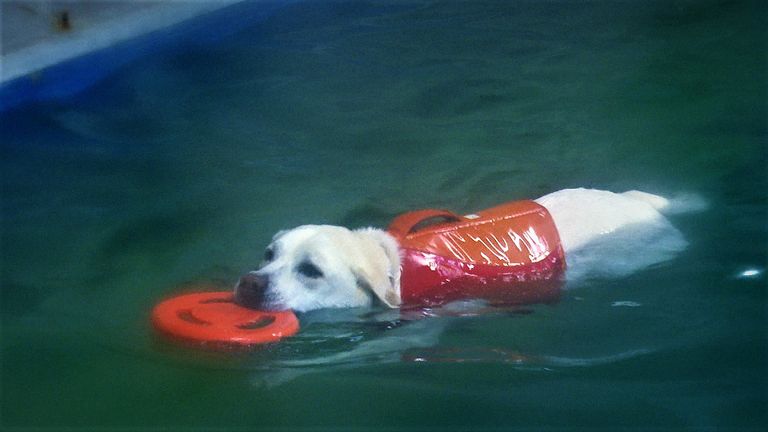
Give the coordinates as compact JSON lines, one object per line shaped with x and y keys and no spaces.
{"x":510,"y":253}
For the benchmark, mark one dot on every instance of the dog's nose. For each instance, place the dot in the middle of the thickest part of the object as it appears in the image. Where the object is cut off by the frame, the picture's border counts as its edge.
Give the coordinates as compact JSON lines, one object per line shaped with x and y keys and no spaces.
{"x":250,"y":290}
{"x":253,"y":282}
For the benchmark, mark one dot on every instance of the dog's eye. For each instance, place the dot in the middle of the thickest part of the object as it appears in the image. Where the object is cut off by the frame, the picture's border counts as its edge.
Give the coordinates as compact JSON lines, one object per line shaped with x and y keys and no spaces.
{"x":269,"y":254}
{"x":309,"y":270}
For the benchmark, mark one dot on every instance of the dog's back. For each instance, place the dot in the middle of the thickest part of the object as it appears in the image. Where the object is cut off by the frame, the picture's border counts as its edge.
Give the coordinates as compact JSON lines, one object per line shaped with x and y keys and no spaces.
{"x":612,"y":234}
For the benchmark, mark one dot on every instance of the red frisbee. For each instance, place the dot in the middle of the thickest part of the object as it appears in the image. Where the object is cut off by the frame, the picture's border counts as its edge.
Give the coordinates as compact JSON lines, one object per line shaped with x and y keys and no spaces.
{"x":212,"y":319}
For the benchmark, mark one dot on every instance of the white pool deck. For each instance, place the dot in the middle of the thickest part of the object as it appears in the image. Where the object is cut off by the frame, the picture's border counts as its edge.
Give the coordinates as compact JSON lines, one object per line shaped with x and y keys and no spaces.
{"x":32,"y":36}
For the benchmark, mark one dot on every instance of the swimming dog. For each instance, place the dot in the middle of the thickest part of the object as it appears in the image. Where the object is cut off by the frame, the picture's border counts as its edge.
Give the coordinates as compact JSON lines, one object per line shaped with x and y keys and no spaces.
{"x":321,"y":266}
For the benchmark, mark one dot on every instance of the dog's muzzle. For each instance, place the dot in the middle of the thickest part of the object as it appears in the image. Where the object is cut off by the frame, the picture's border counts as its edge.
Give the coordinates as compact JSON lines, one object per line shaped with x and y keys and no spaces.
{"x":251,"y":290}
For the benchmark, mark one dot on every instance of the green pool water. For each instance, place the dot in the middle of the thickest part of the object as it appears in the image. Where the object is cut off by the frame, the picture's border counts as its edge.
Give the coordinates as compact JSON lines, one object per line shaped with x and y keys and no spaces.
{"x":178,"y":169}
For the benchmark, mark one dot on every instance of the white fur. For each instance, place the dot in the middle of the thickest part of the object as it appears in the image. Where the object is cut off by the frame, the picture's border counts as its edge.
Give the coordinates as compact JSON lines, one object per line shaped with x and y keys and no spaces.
{"x":603,"y":234}
{"x":584,"y":215}
{"x":606,"y":234}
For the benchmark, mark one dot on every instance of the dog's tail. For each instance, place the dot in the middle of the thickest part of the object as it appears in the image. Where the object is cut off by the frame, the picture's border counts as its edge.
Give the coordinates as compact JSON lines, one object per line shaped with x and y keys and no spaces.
{"x":683,"y":203}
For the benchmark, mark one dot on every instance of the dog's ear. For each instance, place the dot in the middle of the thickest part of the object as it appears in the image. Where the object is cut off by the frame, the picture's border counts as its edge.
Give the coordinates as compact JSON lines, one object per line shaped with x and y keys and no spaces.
{"x":381,"y":272}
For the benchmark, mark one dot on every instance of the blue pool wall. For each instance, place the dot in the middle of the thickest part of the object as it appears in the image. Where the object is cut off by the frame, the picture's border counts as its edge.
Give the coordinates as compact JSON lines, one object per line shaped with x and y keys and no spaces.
{"x":70,"y":77}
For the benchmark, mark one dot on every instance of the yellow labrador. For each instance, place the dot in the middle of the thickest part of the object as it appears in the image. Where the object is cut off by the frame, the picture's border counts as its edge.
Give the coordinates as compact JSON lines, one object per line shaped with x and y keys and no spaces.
{"x":321,"y":266}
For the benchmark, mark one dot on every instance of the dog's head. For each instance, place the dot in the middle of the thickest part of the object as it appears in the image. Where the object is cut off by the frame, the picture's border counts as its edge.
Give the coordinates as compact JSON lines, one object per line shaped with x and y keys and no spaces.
{"x":321,"y":266}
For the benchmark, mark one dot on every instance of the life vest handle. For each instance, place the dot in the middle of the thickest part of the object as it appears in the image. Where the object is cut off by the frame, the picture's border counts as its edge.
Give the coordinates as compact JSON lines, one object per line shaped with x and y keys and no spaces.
{"x":411,"y":222}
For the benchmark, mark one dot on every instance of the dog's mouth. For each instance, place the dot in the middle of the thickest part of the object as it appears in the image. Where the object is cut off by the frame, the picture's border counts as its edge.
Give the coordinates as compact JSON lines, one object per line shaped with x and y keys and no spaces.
{"x":259,"y":300}
{"x":251,"y":290}
{"x":248,"y":300}
{"x":266,"y":306}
